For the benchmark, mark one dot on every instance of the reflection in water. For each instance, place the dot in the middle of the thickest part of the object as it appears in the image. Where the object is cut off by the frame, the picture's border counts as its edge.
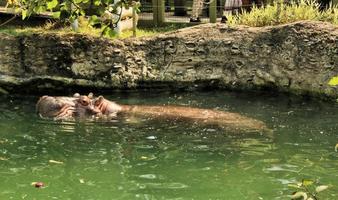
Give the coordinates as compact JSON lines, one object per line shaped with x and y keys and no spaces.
{"x":143,"y":159}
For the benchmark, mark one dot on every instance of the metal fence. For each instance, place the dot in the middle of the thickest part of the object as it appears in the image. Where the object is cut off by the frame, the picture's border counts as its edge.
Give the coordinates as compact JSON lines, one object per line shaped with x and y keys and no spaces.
{"x":180,"y":11}
{"x":174,"y":11}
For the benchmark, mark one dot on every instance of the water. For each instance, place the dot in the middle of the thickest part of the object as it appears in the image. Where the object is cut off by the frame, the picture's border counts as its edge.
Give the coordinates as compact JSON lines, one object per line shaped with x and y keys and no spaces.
{"x":140,"y":159}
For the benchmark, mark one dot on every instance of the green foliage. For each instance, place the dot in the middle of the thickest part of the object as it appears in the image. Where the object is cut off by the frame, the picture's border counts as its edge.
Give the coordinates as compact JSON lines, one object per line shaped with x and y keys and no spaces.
{"x":280,"y":12}
{"x":52,"y":4}
{"x":333,"y":81}
{"x":85,"y":28}
{"x":107,"y":13}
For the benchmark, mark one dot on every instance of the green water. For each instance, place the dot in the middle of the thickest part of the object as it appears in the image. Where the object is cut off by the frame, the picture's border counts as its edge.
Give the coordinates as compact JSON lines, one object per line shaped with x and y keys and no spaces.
{"x":140,"y":159}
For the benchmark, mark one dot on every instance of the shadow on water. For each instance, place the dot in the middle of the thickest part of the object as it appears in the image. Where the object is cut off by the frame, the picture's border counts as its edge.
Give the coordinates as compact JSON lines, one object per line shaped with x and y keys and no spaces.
{"x":147,"y":159}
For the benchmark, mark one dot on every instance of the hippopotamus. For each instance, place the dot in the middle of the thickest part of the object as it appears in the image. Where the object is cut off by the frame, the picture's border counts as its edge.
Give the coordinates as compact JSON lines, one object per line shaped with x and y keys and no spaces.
{"x":223,"y":119}
{"x":66,"y":107}
{"x":101,"y":108}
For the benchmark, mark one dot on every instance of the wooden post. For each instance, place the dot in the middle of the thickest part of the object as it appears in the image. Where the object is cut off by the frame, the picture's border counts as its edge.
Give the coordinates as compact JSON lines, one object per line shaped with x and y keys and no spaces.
{"x":161,"y":11}
{"x":278,"y":11}
{"x":155,"y":12}
{"x":134,"y":21}
{"x":213,"y":11}
{"x":158,"y":12}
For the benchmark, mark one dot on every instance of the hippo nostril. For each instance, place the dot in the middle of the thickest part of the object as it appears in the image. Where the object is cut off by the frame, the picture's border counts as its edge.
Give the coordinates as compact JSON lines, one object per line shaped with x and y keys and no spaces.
{"x":95,"y":110}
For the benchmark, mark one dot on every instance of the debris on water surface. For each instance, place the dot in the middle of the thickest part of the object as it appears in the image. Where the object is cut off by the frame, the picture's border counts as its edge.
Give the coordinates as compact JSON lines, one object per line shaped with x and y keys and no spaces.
{"x":148,"y":158}
{"x":55,"y":162}
{"x":297,"y":195}
{"x":151,"y":137}
{"x":321,"y":188}
{"x":2,"y":141}
{"x":3,"y":158}
{"x":306,"y":182}
{"x":38,"y":184}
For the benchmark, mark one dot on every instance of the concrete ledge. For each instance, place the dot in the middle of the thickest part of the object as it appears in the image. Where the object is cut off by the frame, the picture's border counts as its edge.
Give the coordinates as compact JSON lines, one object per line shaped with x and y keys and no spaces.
{"x":299,"y":58}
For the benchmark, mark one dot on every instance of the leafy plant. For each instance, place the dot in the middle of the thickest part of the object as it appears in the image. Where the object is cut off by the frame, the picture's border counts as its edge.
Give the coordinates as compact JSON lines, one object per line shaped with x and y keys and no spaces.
{"x":333,"y":81}
{"x":281,"y":12}
{"x":106,"y":13}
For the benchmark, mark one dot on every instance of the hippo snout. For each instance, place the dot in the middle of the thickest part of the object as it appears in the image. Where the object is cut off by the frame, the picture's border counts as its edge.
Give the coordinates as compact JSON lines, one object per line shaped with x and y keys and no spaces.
{"x":94,"y":110}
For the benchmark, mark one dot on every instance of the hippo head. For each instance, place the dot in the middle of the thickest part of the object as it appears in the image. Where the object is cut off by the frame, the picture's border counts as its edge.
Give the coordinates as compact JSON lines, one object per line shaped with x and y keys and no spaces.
{"x":106,"y":107}
{"x":84,"y":105}
{"x":48,"y":106}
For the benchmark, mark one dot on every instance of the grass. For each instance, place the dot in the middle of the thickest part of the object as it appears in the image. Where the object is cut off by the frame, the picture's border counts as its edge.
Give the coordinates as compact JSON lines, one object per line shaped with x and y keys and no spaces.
{"x":86,"y":29}
{"x":280,"y":12}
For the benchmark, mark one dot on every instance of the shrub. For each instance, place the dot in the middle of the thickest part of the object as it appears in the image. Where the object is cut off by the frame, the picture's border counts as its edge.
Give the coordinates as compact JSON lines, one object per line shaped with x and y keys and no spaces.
{"x":280,"y":13}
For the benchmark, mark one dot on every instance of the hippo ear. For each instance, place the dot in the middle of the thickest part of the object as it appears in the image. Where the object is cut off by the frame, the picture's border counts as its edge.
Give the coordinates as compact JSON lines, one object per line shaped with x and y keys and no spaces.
{"x":90,"y":95}
{"x":77,"y":95}
{"x":100,"y":98}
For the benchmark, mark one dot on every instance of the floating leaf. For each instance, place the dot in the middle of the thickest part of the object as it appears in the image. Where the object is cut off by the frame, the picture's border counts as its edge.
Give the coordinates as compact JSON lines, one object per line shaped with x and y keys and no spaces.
{"x":144,"y":158}
{"x":294,"y":186}
{"x":148,"y":158}
{"x":3,"y":141}
{"x":55,"y":162}
{"x":81,"y":180}
{"x":3,"y":158}
{"x":38,"y":184}
{"x":321,"y":188}
{"x":151,"y":137}
{"x":307,"y":182}
{"x":298,"y":195}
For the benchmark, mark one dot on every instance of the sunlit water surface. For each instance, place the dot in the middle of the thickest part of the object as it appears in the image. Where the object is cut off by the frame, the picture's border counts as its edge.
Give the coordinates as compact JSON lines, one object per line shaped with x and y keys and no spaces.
{"x":141,"y":159}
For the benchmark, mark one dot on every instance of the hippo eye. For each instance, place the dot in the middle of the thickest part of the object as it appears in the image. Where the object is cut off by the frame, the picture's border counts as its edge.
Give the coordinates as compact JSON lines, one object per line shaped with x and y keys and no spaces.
{"x":84,"y":102}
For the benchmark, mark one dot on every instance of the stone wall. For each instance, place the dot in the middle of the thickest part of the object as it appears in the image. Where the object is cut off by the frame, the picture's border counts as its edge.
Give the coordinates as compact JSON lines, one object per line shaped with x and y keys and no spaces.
{"x":299,"y":58}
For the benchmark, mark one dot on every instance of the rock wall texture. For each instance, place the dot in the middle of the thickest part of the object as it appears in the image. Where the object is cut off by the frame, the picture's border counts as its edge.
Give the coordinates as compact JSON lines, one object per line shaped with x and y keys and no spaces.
{"x":299,"y":58}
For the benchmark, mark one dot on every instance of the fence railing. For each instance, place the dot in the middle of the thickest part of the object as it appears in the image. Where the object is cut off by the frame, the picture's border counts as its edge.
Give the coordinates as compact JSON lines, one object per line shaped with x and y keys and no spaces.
{"x":180,"y":11}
